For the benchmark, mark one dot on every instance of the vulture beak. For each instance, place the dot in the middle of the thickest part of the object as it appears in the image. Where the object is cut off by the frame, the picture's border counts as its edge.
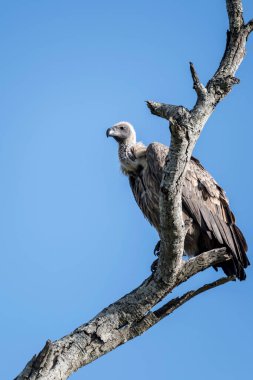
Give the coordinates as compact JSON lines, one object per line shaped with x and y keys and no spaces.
{"x":109,"y":132}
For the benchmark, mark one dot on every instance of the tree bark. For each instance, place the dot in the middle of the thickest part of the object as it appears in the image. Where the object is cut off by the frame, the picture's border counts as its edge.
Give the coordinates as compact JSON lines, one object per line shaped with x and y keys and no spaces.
{"x":131,"y":315}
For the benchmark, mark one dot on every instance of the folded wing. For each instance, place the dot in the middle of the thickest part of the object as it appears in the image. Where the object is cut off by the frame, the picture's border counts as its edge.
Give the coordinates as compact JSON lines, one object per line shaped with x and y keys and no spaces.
{"x":203,"y":200}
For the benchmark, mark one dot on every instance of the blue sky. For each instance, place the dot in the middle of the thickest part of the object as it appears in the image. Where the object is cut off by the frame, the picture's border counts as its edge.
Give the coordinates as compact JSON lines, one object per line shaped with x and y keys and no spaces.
{"x":72,"y":238}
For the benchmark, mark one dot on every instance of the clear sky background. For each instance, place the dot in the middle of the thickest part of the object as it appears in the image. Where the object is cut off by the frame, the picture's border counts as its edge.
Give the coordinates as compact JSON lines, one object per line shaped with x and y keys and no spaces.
{"x":72,"y":239}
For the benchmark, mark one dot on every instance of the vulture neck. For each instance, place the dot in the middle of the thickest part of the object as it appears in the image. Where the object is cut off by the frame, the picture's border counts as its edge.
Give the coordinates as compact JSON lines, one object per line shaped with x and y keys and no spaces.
{"x":131,"y":157}
{"x":125,"y":150}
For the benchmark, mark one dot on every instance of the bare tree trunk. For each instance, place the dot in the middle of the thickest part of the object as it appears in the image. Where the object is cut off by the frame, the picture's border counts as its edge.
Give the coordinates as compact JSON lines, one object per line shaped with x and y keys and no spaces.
{"x":131,"y":315}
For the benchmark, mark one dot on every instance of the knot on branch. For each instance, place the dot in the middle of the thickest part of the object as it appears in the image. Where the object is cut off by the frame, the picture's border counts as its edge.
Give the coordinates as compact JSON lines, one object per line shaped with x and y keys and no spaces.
{"x":221,"y":86}
{"x":43,"y":355}
{"x":38,"y":362}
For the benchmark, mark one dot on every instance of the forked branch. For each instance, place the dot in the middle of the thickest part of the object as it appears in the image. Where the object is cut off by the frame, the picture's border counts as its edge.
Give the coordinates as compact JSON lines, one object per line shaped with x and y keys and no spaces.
{"x":131,"y":315}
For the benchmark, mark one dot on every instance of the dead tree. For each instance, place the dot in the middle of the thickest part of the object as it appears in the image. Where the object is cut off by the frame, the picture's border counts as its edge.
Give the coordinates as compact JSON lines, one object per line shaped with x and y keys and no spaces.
{"x":131,"y":315}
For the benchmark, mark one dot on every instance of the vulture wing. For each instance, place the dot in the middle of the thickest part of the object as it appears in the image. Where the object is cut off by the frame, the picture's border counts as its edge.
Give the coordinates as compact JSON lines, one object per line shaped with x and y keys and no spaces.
{"x":204,"y":201}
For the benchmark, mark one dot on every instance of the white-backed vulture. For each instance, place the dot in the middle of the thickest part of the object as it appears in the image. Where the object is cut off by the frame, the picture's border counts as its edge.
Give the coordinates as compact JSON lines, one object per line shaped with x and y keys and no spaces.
{"x":203,"y":200}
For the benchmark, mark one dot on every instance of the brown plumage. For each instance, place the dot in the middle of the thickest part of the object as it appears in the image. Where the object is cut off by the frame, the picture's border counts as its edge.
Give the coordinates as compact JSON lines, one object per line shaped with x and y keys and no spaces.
{"x":203,"y":200}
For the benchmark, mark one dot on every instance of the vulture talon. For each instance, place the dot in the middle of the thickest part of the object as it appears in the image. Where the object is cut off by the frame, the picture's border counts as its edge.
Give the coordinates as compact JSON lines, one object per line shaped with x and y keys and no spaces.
{"x":157,"y":248}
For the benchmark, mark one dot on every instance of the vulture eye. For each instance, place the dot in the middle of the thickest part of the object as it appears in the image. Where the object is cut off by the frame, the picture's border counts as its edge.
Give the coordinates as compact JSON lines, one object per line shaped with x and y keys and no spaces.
{"x":122,"y":128}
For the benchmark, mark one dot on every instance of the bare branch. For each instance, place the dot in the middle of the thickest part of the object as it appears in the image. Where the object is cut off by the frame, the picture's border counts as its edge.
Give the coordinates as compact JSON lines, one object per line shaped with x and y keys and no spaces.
{"x":249,"y":27}
{"x":154,"y":317}
{"x":167,"y":111}
{"x":223,"y":80}
{"x":197,"y":85}
{"x":113,"y":326}
{"x":202,"y":262}
{"x":235,"y":15}
{"x":174,"y":304}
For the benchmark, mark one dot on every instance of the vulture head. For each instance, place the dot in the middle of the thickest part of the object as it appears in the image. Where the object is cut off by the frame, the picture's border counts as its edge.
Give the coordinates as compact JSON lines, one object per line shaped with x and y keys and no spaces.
{"x":123,"y":132}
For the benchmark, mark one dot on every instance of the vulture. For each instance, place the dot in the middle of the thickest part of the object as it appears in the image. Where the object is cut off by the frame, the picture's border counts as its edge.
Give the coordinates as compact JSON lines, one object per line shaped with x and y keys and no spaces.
{"x":203,"y":200}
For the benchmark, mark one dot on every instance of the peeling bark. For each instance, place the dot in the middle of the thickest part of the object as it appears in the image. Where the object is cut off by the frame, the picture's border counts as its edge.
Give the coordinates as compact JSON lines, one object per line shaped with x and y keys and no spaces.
{"x":131,"y":315}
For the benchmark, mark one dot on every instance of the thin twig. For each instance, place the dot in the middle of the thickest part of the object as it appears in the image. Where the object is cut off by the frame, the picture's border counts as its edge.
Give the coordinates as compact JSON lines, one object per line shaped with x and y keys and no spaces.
{"x":197,"y":85}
